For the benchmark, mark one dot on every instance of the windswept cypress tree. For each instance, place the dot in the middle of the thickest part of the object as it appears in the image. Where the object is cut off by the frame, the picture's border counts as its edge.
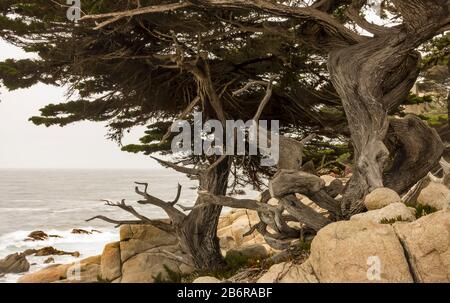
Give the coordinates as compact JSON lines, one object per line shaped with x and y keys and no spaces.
{"x":306,"y":65}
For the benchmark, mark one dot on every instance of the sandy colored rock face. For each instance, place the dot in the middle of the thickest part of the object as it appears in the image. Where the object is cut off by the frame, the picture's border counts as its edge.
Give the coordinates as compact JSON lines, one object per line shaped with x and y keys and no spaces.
{"x":349,"y":251}
{"x":47,"y":275}
{"x":380,"y":198}
{"x":111,"y":264}
{"x":144,"y":267}
{"x":89,"y":273}
{"x":427,"y":243}
{"x":257,"y":251}
{"x":435,"y":195}
{"x":139,"y":238}
{"x":234,"y":225}
{"x":145,"y":233}
{"x":288,"y":272}
{"x":302,"y":273}
{"x":92,"y":260}
{"x":89,"y":270}
{"x":328,"y":179}
{"x":274,"y":273}
{"x":392,"y":211}
{"x":206,"y":280}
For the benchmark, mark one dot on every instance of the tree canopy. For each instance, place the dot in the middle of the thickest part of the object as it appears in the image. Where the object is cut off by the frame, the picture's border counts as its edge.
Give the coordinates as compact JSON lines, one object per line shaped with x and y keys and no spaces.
{"x":316,"y":66}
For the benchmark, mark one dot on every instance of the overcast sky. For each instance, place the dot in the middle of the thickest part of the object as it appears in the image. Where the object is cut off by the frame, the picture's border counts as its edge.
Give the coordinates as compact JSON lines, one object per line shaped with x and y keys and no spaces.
{"x":81,"y":145}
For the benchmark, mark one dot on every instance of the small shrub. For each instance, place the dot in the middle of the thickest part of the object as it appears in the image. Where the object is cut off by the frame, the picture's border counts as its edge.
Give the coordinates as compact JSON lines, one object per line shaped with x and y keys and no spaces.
{"x":171,"y":276}
{"x":304,"y":246}
{"x":233,"y":263}
{"x":393,"y":220}
{"x":423,"y":210}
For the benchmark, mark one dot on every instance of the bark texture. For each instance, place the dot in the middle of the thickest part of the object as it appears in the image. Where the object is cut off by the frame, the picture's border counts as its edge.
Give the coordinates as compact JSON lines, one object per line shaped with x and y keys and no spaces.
{"x":372,"y":78}
{"x":198,"y":231}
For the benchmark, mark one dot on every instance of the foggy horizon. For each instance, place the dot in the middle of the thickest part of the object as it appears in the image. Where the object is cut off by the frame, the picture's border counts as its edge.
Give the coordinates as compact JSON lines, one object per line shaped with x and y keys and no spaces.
{"x":81,"y":145}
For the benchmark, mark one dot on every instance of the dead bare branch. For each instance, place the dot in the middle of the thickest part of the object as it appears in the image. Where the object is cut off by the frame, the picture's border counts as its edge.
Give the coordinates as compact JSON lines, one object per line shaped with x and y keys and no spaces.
{"x":181,"y":169}
{"x":183,"y":115}
{"x":115,"y":16}
{"x":173,"y":213}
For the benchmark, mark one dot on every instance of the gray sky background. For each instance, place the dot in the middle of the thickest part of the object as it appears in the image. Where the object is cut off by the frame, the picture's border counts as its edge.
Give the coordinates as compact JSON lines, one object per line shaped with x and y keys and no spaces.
{"x":81,"y":145}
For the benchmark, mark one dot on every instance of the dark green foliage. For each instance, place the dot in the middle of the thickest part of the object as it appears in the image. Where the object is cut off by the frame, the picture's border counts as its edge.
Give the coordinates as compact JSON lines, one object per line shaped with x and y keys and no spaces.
{"x":170,"y":276}
{"x":437,"y":51}
{"x":328,"y":156}
{"x":151,"y":142}
{"x":120,"y":75}
{"x":423,"y":210}
{"x":435,"y":119}
{"x":125,"y":74}
{"x":393,"y":220}
{"x":415,"y":99}
{"x":304,"y":246}
{"x":233,"y":263}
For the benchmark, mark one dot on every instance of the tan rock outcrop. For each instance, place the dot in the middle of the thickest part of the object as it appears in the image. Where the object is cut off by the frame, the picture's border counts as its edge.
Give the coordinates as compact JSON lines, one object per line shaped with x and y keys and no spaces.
{"x":135,"y":239}
{"x":394,"y":211}
{"x":427,"y":245}
{"x":49,"y":274}
{"x":111,"y":263}
{"x":85,"y":271}
{"x":146,"y":267}
{"x":436,"y":195}
{"x":347,"y":251}
{"x":234,"y":225}
{"x":257,"y":251}
{"x":380,"y":198}
{"x":288,"y":272}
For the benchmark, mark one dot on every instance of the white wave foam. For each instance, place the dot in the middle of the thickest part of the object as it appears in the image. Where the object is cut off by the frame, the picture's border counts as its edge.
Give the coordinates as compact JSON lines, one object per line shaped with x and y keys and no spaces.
{"x":87,"y":245}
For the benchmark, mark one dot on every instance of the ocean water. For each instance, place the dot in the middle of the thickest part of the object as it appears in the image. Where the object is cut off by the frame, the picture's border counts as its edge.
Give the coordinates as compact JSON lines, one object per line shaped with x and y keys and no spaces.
{"x":57,"y":201}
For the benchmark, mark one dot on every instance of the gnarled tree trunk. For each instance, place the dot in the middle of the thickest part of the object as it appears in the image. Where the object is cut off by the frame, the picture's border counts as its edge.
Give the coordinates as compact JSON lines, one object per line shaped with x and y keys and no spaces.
{"x":198,"y":231}
{"x":372,"y":78}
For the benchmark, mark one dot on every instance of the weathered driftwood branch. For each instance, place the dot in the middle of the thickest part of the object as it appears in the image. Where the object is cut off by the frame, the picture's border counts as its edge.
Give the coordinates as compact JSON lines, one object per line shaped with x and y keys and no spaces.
{"x":181,"y":169}
{"x":266,"y":98}
{"x":269,"y":214}
{"x":175,"y":201}
{"x":303,"y":213}
{"x":445,"y":168}
{"x":174,"y":214}
{"x":339,"y":34}
{"x":116,"y":16}
{"x":417,"y":149}
{"x":286,"y":182}
{"x":291,"y":152}
{"x":142,"y":219}
{"x":325,"y":201}
{"x":183,"y":115}
{"x":335,"y":188}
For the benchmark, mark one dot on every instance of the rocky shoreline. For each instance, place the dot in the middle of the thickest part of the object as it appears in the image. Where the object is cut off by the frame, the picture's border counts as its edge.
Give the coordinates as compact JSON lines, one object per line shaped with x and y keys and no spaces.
{"x":391,"y":242}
